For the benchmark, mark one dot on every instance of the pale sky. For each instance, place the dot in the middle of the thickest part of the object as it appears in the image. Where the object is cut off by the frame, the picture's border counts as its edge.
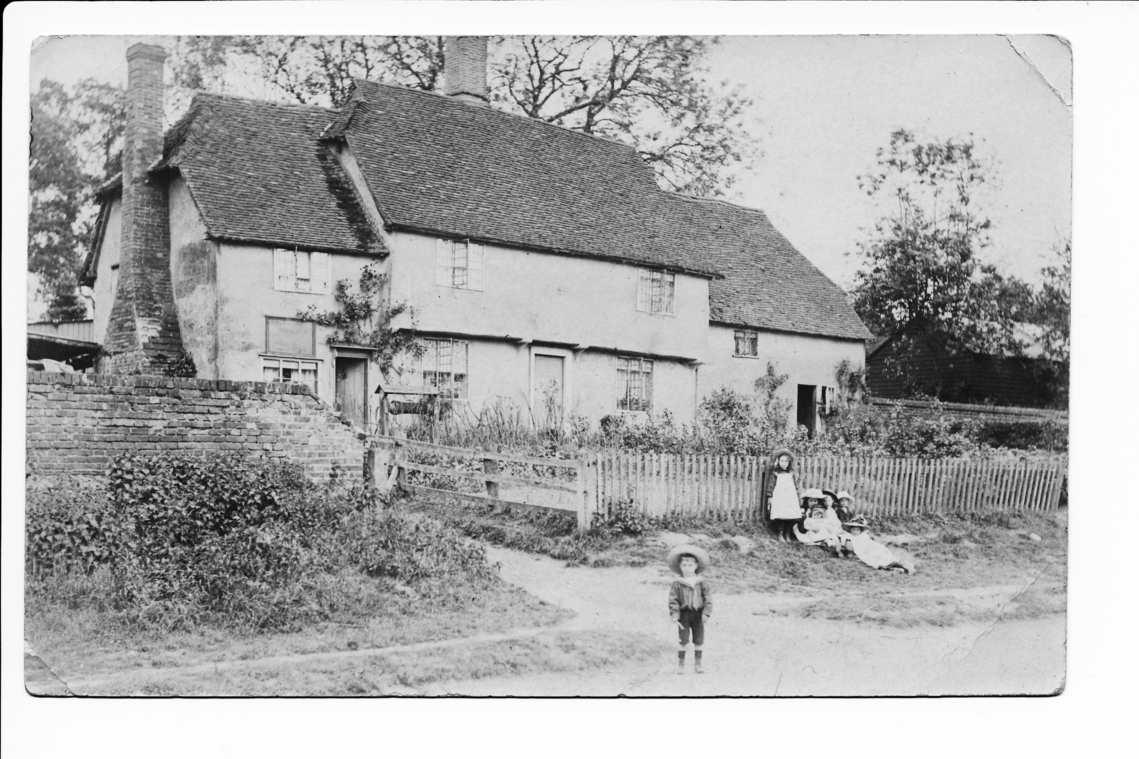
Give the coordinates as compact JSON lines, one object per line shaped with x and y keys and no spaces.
{"x":823,"y":105}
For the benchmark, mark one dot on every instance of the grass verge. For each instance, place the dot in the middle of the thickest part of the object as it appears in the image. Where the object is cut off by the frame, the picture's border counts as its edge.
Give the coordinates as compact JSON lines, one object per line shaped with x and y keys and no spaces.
{"x":399,"y":672}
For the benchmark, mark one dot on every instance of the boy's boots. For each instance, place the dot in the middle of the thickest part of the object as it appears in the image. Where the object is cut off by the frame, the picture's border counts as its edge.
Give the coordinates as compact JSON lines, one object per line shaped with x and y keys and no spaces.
{"x":699,"y":663}
{"x":680,"y":663}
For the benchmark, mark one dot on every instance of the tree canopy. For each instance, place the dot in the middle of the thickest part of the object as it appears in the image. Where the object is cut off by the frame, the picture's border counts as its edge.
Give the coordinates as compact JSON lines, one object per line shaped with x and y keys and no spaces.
{"x":921,"y":277}
{"x":653,"y":93}
{"x":75,"y":137}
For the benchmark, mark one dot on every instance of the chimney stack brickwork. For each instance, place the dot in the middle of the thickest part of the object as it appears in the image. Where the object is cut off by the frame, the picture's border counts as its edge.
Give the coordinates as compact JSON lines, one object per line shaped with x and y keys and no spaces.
{"x":464,"y":69}
{"x":143,"y":336}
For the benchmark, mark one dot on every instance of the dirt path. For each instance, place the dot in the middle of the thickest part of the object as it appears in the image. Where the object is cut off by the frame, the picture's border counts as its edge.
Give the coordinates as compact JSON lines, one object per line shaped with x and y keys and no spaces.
{"x":750,"y":653}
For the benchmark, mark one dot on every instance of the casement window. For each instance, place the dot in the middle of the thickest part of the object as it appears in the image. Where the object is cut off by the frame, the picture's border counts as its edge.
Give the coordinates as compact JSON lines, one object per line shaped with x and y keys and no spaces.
{"x":444,"y":366}
{"x":301,"y":271}
{"x":459,"y":264}
{"x":290,"y":337}
{"x":634,"y":384}
{"x":747,"y":343}
{"x":290,"y":370}
{"x":656,"y":291}
{"x":827,"y":399}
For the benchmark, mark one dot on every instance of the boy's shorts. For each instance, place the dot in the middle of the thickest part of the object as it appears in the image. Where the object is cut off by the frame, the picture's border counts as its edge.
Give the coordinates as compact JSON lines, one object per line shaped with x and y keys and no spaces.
{"x":694,"y":621}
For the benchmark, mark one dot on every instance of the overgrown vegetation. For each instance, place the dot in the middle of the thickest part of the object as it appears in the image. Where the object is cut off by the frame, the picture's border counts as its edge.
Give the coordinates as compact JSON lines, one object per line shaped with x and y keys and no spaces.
{"x":171,"y":543}
{"x":733,"y":423}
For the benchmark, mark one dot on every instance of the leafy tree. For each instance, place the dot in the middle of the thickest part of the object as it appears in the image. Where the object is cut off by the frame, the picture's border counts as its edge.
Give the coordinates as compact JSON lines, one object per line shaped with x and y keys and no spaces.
{"x":1053,"y":313}
{"x":651,"y":92}
{"x":921,"y":278}
{"x":75,"y":138}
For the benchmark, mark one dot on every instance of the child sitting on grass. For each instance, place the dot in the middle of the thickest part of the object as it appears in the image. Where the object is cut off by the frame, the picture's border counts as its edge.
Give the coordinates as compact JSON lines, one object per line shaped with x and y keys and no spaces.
{"x":845,"y":506}
{"x":689,"y":600}
{"x":820,"y":529}
{"x":870,"y":551}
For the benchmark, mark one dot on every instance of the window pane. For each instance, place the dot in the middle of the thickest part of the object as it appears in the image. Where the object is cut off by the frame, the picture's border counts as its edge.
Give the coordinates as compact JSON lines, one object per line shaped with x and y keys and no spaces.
{"x":669,"y":292}
{"x":308,"y":375}
{"x":459,"y":264}
{"x":644,"y":287}
{"x":270,"y":370}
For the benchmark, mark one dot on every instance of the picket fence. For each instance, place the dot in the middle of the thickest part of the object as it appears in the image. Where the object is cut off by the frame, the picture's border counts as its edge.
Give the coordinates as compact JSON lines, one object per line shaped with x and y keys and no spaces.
{"x":732,"y":487}
{"x":721,"y":487}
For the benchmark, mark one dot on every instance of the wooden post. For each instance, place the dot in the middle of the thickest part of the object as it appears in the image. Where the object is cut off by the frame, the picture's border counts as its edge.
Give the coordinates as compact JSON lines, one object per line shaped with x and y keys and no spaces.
{"x":379,"y":465}
{"x":582,"y":494}
{"x":490,"y":466}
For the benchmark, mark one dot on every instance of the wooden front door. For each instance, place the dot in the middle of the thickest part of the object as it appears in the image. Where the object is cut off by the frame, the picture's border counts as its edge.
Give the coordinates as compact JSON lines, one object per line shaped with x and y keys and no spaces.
{"x":549,"y":390}
{"x":805,"y":408}
{"x":352,"y":390}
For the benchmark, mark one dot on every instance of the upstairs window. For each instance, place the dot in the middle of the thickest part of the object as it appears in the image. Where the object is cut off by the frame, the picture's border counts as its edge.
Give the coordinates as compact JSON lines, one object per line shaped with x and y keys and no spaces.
{"x":300,"y":271}
{"x":459,"y":264}
{"x":444,"y":366}
{"x":656,"y":291}
{"x":634,"y":384}
{"x":747,"y":343}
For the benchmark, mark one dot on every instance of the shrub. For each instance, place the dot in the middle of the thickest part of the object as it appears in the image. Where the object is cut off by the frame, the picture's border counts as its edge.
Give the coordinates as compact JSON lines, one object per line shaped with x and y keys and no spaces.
{"x":70,"y":526}
{"x":234,"y":541}
{"x":622,"y":518}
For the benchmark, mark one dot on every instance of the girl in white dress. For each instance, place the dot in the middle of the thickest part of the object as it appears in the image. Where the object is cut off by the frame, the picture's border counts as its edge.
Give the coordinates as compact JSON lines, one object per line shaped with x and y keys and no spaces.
{"x":782,"y":497}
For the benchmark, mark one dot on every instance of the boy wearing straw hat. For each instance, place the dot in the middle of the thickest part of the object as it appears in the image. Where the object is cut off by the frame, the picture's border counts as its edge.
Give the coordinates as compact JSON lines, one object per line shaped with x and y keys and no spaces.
{"x":689,"y":600}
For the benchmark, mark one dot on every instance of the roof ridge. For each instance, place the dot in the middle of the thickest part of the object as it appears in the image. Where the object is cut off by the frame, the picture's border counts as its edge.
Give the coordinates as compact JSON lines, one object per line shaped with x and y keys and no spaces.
{"x":499,"y":111}
{"x":261,"y":101}
{"x":721,"y":201}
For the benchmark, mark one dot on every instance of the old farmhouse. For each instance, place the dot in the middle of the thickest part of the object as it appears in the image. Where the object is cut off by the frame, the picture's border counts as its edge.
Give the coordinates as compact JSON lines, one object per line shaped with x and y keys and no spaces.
{"x":541,"y":266}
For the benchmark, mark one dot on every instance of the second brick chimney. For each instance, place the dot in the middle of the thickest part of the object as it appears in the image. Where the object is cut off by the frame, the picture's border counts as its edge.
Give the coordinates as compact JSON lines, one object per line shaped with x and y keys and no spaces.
{"x":464,"y":69}
{"x":143,"y":336}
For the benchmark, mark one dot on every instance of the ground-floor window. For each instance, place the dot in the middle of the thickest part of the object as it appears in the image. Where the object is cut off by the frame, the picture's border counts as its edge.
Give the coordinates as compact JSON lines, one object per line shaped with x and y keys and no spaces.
{"x":634,"y":384}
{"x":290,"y":370}
{"x":444,"y":366}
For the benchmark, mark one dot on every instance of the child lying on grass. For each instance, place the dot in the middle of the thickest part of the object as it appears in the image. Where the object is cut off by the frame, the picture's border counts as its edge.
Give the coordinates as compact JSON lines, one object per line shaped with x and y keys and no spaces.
{"x":869,"y":551}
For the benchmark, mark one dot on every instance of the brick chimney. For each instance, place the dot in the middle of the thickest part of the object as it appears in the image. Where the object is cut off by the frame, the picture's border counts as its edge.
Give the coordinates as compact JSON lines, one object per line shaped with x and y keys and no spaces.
{"x":464,"y":69}
{"x":143,"y":336}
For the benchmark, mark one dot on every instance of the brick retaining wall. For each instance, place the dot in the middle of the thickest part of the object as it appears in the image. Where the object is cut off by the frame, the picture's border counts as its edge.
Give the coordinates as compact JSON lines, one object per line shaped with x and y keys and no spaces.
{"x":77,"y":422}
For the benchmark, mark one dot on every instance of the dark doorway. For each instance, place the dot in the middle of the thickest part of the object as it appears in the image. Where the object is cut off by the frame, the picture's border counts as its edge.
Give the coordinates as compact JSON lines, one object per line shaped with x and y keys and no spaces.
{"x":806,"y":408}
{"x":351,"y":390}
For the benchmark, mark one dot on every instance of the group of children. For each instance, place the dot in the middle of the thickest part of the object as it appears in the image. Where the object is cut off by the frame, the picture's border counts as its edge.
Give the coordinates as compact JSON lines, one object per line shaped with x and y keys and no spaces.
{"x":821,"y":517}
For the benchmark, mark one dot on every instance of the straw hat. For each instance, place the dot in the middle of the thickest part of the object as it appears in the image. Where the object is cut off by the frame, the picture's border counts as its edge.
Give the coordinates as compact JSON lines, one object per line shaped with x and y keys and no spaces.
{"x":813,"y":493}
{"x":858,"y":521}
{"x":782,"y":452}
{"x":701,"y":556}
{"x":843,"y":494}
{"x":831,"y":493}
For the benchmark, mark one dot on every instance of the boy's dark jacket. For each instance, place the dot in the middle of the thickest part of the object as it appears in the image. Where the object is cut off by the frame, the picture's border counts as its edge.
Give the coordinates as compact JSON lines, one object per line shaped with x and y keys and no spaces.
{"x":683,"y":596}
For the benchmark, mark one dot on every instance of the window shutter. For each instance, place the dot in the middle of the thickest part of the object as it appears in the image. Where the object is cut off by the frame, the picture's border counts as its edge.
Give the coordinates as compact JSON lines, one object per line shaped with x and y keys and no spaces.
{"x":320,"y":272}
{"x":443,"y":263}
{"x":284,"y":269}
{"x":475,"y":257}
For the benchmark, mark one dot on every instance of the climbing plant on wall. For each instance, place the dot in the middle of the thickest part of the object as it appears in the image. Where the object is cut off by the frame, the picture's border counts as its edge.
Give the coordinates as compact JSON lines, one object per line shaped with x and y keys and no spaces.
{"x":363,"y":319}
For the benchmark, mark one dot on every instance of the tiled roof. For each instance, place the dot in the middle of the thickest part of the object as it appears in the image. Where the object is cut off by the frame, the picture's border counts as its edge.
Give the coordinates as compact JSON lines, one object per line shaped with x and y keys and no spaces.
{"x":259,"y":173}
{"x":766,"y":282}
{"x":262,"y":172}
{"x":439,"y":165}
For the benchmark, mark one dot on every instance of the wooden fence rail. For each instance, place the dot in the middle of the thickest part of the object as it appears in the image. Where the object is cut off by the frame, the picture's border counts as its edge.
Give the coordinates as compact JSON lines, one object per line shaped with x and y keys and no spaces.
{"x":723,"y":487}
